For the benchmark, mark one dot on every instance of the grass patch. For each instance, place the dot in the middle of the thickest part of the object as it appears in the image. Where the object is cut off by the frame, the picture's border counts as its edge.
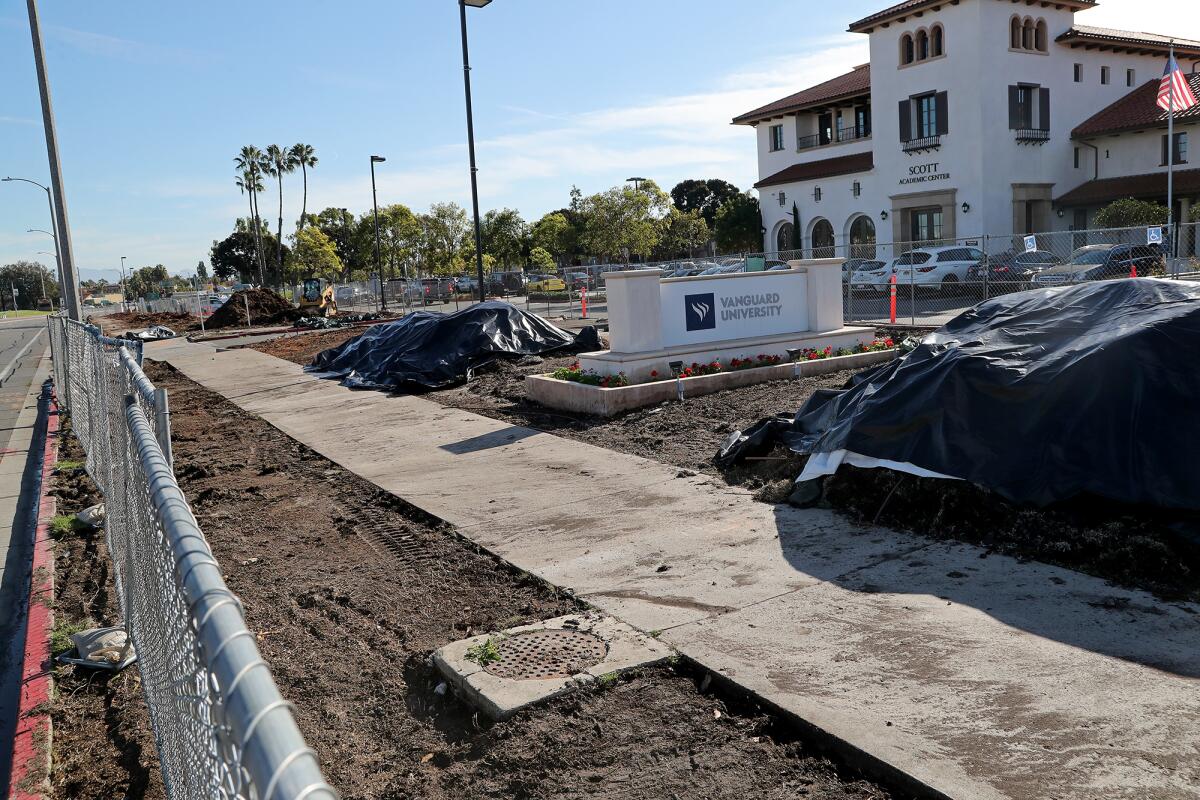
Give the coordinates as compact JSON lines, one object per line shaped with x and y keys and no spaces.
{"x":61,"y":525}
{"x":484,"y":653}
{"x":60,"y":634}
{"x":68,"y":465}
{"x":607,"y":680}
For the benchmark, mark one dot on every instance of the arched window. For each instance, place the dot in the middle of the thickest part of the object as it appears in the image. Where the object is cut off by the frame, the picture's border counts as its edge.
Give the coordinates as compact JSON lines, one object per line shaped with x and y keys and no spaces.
{"x":785,"y":237}
{"x":862,"y":237}
{"x":937,"y":44}
{"x":1027,"y":34}
{"x":822,"y":239}
{"x":906,"y":49}
{"x":1039,"y":36}
{"x":922,"y":45}
{"x":1014,"y":27}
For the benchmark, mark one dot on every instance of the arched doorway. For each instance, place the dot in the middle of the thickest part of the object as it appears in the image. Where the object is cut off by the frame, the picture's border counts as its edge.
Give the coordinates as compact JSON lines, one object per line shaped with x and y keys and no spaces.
{"x":822,"y":239}
{"x":785,"y":237}
{"x":862,"y":237}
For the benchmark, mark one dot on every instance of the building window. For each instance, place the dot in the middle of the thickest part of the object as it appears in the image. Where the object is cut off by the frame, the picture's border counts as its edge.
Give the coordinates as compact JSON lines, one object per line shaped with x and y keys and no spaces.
{"x":1130,"y":77}
{"x":785,"y":238}
{"x":907,"y":51}
{"x":817,"y":194}
{"x":1039,"y":36}
{"x":1078,"y":73}
{"x":776,"y":137}
{"x":1014,"y":33}
{"x":856,"y":190}
{"x":1027,"y":34}
{"x":782,"y":198}
{"x":922,"y":45}
{"x":1179,"y":156}
{"x":1076,"y":154}
{"x":862,"y":237}
{"x":825,"y":128}
{"x":926,"y":116}
{"x":862,"y":121}
{"x":1104,"y":76}
{"x":1028,"y":107}
{"x":822,"y":239}
{"x":937,"y":39}
{"x":926,"y":224}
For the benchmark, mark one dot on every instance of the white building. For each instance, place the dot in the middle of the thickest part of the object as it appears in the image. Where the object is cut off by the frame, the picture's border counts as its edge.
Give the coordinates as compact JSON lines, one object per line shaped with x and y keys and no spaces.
{"x":973,"y":117}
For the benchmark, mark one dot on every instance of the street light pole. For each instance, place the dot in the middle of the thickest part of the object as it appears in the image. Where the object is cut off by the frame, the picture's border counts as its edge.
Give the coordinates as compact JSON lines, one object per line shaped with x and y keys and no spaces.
{"x":124,"y":287}
{"x":375,"y":205}
{"x":62,"y":285}
{"x":462,"y":14}
{"x":57,"y":260}
{"x":70,"y":279}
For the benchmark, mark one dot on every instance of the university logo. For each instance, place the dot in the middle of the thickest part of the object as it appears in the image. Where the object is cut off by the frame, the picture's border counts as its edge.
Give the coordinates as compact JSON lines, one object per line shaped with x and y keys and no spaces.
{"x":700,"y":311}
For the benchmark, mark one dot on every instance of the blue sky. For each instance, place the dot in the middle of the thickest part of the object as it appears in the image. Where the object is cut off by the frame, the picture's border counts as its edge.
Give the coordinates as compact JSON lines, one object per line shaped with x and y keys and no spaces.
{"x":154,"y":99}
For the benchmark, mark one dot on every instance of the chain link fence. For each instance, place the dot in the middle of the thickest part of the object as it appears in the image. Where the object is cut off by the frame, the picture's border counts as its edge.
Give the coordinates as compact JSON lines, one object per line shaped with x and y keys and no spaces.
{"x":221,"y":727}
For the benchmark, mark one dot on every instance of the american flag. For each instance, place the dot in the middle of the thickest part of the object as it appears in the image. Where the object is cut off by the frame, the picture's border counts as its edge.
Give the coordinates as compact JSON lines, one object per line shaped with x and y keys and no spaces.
{"x":1173,"y":90}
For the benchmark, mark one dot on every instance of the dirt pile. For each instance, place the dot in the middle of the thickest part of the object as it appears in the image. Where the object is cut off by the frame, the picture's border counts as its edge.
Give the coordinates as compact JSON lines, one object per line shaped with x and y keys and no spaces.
{"x":266,"y":308}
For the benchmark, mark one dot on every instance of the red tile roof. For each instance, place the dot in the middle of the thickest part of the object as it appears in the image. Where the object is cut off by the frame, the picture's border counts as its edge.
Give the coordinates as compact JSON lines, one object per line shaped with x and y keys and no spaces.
{"x":1136,"y":110}
{"x":907,"y":7}
{"x":826,"y":168}
{"x":855,"y":82}
{"x":1153,"y":184}
{"x":1136,"y":41}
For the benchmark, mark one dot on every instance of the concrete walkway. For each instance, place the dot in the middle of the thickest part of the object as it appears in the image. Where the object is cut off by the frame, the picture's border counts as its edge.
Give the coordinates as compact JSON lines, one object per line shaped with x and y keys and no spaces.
{"x":977,"y":676}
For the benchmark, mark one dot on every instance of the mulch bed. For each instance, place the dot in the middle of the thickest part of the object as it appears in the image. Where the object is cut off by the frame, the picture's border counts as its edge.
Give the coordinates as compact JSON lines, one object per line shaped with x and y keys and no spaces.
{"x":1133,"y":547}
{"x":348,"y":628}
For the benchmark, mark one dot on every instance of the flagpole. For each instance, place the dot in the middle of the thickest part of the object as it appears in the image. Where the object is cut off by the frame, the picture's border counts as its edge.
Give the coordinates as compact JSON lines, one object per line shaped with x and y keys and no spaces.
{"x":1171,"y":155}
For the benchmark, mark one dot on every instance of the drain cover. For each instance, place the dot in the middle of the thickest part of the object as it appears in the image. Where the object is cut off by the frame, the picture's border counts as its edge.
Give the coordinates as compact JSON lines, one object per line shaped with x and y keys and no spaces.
{"x":547,"y":654}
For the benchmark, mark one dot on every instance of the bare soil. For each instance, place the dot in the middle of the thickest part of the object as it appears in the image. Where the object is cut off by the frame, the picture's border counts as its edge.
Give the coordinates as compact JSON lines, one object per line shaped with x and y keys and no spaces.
{"x":266,"y":308}
{"x":118,"y":323}
{"x":347,"y":623}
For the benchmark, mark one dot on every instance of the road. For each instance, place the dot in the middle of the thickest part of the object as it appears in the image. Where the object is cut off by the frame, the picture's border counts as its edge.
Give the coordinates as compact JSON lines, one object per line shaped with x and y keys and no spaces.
{"x":24,"y":344}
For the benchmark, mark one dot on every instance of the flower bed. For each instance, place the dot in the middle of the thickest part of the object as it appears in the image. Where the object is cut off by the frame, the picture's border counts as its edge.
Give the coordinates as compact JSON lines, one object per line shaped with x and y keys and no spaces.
{"x":576,"y":374}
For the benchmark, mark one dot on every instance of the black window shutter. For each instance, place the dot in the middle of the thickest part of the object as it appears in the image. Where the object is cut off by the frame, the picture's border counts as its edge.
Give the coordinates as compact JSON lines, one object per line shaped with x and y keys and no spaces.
{"x":905,"y":120}
{"x":1164,"y":148}
{"x":943,"y":114}
{"x":1014,"y":107}
{"x":1044,"y":108}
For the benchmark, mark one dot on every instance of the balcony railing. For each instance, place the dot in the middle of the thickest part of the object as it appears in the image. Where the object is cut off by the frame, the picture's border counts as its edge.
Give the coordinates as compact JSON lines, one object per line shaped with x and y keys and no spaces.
{"x":806,"y":142}
{"x":923,"y":144}
{"x":1031,"y":136}
{"x":852,"y":134}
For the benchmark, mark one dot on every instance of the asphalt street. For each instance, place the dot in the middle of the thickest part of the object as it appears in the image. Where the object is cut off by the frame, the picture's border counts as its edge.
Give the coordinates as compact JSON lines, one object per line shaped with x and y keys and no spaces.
{"x":24,"y":344}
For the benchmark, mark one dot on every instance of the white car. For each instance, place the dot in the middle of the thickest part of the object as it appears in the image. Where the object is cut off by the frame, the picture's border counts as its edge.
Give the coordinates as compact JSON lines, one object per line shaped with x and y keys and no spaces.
{"x":871,"y":275}
{"x":941,"y":269}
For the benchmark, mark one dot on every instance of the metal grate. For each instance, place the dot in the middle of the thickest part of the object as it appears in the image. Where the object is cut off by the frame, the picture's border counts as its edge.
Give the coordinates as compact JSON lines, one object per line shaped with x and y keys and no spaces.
{"x":534,"y":655}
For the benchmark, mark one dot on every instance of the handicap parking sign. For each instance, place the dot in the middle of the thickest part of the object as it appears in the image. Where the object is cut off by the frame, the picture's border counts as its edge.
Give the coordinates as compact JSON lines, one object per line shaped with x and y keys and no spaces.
{"x":1154,"y":235}
{"x":1030,"y":244}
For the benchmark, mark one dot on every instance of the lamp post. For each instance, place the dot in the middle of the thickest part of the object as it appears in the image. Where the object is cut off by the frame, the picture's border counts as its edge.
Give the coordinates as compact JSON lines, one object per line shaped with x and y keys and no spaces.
{"x":375,"y":204}
{"x":637,"y":182}
{"x":62,"y":283}
{"x":41,"y":278}
{"x":124,"y":287}
{"x":57,"y":260}
{"x":462,"y":15}
{"x":59,"y":208}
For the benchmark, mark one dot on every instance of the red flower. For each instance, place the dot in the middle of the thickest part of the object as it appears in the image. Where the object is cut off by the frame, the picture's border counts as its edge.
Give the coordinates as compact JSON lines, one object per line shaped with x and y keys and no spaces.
{"x":653,"y":373}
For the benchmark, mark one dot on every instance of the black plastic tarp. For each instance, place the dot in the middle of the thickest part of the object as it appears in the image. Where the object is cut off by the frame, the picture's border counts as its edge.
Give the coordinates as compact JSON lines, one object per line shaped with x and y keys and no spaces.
{"x":429,"y":350}
{"x":1039,"y":396}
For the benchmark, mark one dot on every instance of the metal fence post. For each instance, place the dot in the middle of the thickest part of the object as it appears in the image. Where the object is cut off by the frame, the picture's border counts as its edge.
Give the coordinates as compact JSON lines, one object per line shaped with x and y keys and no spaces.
{"x":162,"y":425}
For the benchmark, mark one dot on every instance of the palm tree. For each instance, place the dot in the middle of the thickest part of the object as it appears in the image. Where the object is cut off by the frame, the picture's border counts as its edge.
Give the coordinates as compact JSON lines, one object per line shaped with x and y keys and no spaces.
{"x":304,"y":157}
{"x":250,"y":162}
{"x":278,"y":163}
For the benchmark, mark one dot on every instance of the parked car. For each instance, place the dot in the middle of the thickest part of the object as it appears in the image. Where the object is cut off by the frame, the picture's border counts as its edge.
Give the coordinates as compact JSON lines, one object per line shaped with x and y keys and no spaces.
{"x":1097,"y":262}
{"x":546,"y":283}
{"x":437,"y":290}
{"x":684,"y":271}
{"x":775,"y":265}
{"x":722,"y":269}
{"x":577,"y":280}
{"x":939,"y":269}
{"x":871,"y":275}
{"x":466,"y":285}
{"x":349,"y":295}
{"x":1011,"y":271}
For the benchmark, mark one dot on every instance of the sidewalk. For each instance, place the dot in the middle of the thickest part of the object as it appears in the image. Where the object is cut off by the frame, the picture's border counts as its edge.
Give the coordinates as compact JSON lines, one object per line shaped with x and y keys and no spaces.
{"x":976,"y":675}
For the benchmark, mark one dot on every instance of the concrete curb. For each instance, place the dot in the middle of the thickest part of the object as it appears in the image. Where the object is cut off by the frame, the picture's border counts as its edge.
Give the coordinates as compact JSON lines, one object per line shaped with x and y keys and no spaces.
{"x":30,"y":778}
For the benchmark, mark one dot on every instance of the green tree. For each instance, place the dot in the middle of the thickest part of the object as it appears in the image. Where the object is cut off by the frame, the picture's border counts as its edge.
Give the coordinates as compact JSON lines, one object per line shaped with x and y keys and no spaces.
{"x":739,"y":225}
{"x":29,"y":278}
{"x":249,"y":162}
{"x":399,"y":238}
{"x":201,"y":272}
{"x":705,"y":195}
{"x":444,"y":247}
{"x":505,"y":235}
{"x":1130,"y":213}
{"x":313,"y":254}
{"x":619,"y":223}
{"x":555,"y":234}
{"x":540,"y":259}
{"x":278,"y":163}
{"x":147,"y":281}
{"x":304,"y":157}
{"x":234,"y":257}
{"x":682,"y":233}
{"x":349,"y":239}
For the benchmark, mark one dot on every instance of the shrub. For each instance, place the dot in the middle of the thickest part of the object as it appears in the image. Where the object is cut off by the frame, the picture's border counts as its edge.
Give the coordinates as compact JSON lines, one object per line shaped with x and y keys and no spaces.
{"x":1130,"y":213}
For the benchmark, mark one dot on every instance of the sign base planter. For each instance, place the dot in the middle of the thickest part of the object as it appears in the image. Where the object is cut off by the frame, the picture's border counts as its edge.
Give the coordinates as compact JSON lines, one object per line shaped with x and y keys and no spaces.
{"x":583,"y":398}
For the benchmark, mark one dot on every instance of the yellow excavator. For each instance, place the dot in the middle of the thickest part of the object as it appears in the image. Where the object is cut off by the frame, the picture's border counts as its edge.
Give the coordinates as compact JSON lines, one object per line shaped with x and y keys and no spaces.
{"x":316,"y":298}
